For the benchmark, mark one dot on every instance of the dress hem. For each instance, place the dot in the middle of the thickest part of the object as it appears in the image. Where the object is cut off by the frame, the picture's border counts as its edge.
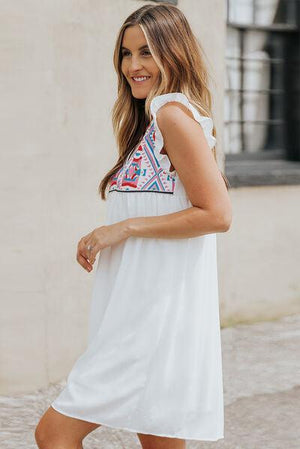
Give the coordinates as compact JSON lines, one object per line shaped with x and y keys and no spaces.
{"x":138,"y":431}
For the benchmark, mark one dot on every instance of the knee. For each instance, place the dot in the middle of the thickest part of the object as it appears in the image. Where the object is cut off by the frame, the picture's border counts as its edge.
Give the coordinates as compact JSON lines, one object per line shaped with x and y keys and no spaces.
{"x":45,"y":439}
{"x":149,"y":441}
{"x":41,"y":436}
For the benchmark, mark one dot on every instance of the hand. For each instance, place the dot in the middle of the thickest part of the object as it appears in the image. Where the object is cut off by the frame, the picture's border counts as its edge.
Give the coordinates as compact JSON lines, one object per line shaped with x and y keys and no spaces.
{"x":98,"y":239}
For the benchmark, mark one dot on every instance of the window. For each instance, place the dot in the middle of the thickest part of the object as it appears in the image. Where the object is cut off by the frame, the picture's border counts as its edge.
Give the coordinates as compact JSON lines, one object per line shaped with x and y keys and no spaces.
{"x":262,"y":79}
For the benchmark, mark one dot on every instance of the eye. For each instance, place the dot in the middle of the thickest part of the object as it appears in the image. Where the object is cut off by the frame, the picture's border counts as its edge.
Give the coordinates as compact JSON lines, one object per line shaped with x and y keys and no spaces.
{"x":144,"y":52}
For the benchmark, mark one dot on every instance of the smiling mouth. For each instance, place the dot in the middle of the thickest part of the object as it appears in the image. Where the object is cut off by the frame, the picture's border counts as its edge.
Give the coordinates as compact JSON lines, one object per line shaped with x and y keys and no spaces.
{"x":140,"y":79}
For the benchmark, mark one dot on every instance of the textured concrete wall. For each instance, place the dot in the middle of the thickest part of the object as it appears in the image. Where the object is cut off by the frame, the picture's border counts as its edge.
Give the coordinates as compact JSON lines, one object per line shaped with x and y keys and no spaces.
{"x":259,"y":256}
{"x":58,"y":87}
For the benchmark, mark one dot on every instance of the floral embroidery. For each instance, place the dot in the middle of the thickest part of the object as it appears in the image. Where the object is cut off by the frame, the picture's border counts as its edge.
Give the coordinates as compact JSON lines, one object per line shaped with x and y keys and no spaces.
{"x":143,"y":171}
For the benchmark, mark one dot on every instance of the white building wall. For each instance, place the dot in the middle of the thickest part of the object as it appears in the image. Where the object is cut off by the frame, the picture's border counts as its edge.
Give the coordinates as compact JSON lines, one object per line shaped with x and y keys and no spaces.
{"x":57,"y":90}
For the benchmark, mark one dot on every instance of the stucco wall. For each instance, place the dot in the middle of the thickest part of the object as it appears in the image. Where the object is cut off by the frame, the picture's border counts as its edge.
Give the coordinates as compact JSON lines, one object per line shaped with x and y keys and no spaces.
{"x":258,"y":258}
{"x":58,"y":87}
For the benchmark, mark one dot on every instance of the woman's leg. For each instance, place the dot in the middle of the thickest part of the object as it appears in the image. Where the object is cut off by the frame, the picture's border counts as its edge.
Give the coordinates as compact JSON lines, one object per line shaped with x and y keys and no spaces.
{"x":58,"y":431}
{"x":156,"y":442}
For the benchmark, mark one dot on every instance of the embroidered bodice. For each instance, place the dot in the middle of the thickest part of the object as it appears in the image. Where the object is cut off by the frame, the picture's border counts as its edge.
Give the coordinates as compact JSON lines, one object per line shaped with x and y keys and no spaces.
{"x":147,"y":169}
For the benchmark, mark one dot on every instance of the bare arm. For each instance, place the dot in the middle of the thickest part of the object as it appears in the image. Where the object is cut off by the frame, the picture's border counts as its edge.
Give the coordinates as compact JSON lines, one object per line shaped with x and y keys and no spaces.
{"x":187,"y":148}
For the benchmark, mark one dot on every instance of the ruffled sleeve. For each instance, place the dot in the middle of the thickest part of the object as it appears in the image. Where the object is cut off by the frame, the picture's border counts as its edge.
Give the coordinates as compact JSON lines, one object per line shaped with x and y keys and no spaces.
{"x":205,"y":122}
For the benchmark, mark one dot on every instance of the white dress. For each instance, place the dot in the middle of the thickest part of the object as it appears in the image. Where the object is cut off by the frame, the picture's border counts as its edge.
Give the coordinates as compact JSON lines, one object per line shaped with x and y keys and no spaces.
{"x":153,"y":363}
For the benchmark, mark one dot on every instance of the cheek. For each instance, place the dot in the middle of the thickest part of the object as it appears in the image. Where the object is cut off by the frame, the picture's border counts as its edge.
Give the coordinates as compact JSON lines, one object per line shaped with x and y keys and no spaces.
{"x":123,"y":66}
{"x":155,"y":74}
{"x":154,"y":70}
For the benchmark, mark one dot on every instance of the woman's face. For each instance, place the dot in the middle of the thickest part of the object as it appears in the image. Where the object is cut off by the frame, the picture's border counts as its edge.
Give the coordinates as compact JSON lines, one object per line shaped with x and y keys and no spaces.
{"x":137,"y":62}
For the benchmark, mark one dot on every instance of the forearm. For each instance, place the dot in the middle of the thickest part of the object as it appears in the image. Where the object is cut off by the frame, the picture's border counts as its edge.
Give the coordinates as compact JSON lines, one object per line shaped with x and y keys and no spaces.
{"x":190,"y":222}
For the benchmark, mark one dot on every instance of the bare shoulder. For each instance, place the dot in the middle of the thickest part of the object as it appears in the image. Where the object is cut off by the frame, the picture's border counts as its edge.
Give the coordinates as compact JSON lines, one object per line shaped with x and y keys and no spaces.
{"x":188,"y":150}
{"x":177,"y":123}
{"x":173,"y":111}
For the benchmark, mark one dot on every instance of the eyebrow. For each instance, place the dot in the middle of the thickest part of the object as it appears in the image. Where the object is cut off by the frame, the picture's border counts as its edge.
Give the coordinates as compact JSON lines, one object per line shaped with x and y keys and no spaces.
{"x":143,"y":46}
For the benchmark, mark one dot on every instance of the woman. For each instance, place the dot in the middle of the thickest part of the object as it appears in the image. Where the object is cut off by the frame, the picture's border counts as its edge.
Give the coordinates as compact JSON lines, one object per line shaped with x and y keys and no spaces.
{"x":153,"y":361}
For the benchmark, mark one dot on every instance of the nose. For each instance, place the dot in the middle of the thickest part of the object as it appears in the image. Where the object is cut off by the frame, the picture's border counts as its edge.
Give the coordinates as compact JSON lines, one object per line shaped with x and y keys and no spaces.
{"x":135,"y":64}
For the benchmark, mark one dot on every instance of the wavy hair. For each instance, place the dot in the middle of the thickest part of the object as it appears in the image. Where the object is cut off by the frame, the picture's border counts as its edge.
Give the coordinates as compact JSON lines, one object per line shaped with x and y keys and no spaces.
{"x":176,"y":51}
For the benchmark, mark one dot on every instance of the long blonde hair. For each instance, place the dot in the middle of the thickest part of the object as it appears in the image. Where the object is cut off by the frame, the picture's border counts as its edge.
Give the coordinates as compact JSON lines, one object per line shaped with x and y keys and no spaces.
{"x":176,"y":51}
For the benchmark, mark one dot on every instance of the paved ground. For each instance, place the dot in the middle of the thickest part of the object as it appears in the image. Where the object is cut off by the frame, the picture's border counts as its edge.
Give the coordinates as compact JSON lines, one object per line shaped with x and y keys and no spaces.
{"x":261,"y":366}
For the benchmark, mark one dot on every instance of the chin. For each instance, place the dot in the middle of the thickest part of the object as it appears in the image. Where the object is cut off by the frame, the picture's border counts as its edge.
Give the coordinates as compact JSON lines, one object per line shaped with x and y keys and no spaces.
{"x":139,"y":96}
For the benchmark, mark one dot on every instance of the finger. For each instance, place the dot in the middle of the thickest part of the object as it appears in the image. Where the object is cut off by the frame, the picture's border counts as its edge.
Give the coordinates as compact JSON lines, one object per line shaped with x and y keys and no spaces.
{"x":82,"y":249}
{"x":83,"y":262}
{"x":83,"y":253}
{"x":90,"y":254}
{"x":81,"y":246}
{"x":83,"y":241}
